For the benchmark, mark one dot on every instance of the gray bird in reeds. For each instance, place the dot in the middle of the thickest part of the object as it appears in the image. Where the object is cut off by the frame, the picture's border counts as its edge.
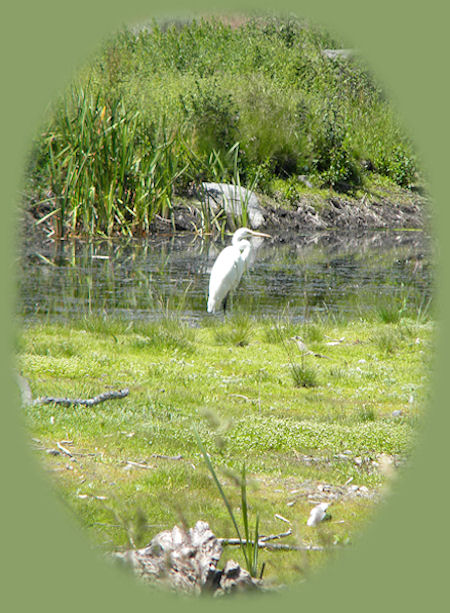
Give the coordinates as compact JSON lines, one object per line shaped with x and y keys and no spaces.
{"x":304,"y":349}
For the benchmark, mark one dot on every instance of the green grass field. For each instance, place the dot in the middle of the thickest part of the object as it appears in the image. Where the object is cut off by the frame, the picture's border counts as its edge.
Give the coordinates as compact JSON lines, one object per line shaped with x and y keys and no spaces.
{"x":309,"y":429}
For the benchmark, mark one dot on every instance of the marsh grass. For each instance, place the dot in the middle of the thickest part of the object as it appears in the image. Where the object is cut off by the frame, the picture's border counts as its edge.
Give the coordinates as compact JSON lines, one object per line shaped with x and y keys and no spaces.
{"x":406,"y":303}
{"x":390,"y":313}
{"x":313,"y":332}
{"x":366,"y":413}
{"x":224,"y":167}
{"x":276,"y":329}
{"x":391,"y":309}
{"x":165,"y":333}
{"x":47,"y":347}
{"x":167,"y":106}
{"x":289,"y":438}
{"x":303,"y":375}
{"x":388,"y":339}
{"x":102,"y":174}
{"x":238,"y":330}
{"x":272,"y":331}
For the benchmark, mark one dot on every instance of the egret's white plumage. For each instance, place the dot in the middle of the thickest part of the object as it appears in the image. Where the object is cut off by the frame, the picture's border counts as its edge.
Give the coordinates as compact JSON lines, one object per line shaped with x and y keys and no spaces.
{"x":229,"y":268}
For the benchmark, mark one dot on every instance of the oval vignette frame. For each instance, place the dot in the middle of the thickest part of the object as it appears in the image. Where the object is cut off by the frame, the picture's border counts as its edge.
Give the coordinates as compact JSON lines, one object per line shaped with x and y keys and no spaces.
{"x":396,"y":559}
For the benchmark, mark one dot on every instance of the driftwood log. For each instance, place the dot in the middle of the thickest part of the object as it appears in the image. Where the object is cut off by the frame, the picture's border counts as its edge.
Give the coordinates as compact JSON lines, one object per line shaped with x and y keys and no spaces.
{"x":27,"y":397}
{"x":186,"y":560}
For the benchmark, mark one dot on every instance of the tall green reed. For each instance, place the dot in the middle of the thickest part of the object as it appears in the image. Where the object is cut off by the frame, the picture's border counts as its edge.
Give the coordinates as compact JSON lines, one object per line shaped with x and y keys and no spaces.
{"x":224,"y":167}
{"x":105,"y":173}
{"x":249,"y":544}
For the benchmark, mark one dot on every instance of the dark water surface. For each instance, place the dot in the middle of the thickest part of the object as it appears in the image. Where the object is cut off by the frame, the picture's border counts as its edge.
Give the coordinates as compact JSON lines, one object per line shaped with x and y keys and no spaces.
{"x":130,"y":278}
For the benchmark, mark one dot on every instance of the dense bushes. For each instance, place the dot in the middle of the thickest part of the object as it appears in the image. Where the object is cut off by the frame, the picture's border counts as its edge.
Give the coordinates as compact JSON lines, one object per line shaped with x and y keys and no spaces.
{"x":170,"y":105}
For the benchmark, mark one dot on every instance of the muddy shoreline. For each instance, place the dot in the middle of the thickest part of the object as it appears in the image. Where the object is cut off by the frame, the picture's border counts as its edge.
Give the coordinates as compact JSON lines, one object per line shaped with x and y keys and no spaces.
{"x":336,"y":215}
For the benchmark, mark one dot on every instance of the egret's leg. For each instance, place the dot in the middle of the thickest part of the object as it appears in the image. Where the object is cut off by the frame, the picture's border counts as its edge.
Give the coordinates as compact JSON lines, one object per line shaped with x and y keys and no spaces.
{"x":225,"y":304}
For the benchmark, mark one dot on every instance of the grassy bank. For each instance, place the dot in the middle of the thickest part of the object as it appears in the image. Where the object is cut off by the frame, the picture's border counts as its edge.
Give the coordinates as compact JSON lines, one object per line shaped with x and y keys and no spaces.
{"x":308,"y":428}
{"x":162,"y":108}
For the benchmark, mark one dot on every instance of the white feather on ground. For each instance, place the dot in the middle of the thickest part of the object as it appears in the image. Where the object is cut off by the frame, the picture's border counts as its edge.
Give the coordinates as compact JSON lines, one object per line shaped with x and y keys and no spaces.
{"x":318,"y":514}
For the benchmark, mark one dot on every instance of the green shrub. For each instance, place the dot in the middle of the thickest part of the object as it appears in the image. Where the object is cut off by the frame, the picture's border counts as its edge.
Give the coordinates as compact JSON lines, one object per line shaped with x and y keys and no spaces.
{"x":332,"y":161}
{"x":398,"y":164}
{"x":211,"y":115}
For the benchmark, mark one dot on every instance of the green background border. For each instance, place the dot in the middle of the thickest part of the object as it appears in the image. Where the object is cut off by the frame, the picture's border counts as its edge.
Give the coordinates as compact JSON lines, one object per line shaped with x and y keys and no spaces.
{"x":401,"y":559}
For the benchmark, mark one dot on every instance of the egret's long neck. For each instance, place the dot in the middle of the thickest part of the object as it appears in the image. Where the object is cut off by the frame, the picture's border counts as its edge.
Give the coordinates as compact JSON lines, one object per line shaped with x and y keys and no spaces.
{"x":245,"y":248}
{"x":240,"y":235}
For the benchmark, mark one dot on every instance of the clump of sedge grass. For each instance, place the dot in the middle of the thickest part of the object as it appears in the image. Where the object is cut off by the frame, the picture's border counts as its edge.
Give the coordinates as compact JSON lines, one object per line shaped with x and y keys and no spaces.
{"x":390,"y":312}
{"x":167,"y":332}
{"x":277,"y":329}
{"x":103,"y":325}
{"x":313,"y":332}
{"x":365,"y":414}
{"x":387,"y":340}
{"x":237,"y":331}
{"x":303,"y":375}
{"x":48,"y":347}
{"x":406,"y":304}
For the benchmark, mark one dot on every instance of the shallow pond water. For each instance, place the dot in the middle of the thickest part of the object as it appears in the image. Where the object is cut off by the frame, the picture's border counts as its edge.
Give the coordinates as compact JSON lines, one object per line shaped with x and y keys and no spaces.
{"x":326,"y":272}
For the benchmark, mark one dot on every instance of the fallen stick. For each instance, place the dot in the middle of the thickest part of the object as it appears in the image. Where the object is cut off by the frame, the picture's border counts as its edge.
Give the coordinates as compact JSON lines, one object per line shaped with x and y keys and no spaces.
{"x":64,"y":450}
{"x":262,"y":539}
{"x":240,"y":396}
{"x":285,"y":547}
{"x":271,"y":546}
{"x":167,"y":457}
{"x":130,"y":463}
{"x":277,"y":516}
{"x":88,"y":402}
{"x":263,"y":543}
{"x":273,"y":537}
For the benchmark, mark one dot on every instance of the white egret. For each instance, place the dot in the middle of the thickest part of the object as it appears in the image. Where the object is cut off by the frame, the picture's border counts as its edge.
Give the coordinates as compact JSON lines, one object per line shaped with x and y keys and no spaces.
{"x":229,"y":268}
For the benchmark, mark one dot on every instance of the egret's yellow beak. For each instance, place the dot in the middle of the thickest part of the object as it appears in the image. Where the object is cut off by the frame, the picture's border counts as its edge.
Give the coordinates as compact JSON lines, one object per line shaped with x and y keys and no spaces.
{"x":260,"y":234}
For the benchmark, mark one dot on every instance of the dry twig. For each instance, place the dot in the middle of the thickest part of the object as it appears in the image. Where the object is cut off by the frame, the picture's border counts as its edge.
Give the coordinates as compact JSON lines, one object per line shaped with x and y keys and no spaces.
{"x":167,"y":457}
{"x":64,"y":450}
{"x":131,"y":464}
